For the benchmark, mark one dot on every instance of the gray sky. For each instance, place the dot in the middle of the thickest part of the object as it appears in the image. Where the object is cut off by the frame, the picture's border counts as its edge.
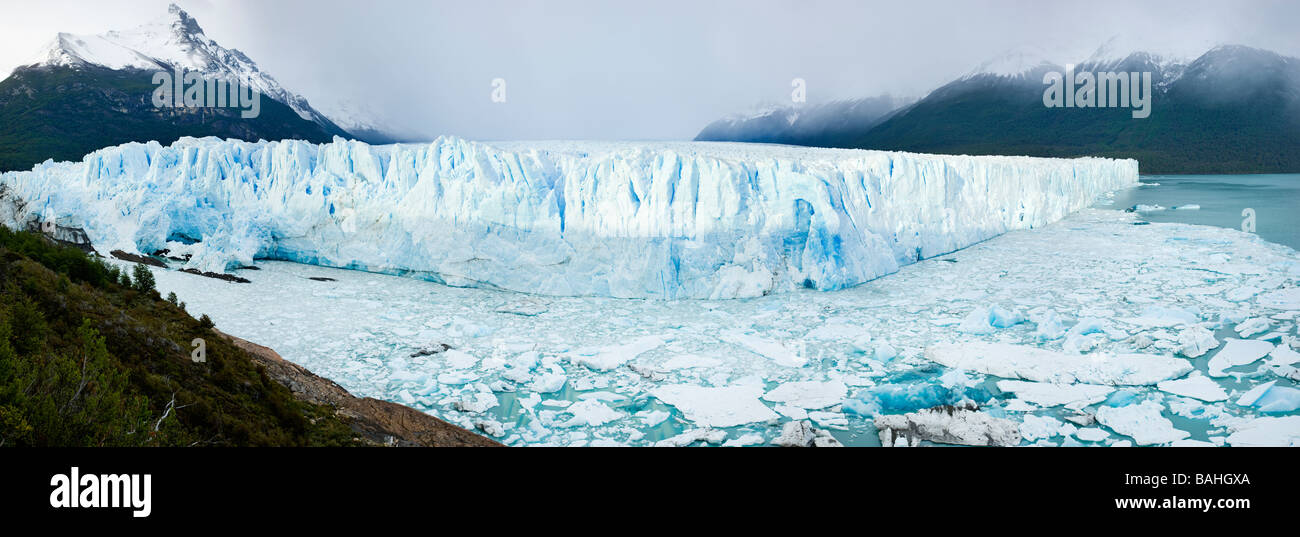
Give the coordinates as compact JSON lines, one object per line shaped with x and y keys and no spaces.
{"x":645,"y":69}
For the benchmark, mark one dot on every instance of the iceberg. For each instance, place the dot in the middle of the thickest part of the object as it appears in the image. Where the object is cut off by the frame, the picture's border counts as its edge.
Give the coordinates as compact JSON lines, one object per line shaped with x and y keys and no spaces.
{"x":629,"y":220}
{"x":947,"y":426}
{"x":1036,"y":364}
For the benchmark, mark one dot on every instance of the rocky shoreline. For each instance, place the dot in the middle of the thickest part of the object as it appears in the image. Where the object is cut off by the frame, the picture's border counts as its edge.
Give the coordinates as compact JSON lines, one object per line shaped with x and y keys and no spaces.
{"x":377,"y":422}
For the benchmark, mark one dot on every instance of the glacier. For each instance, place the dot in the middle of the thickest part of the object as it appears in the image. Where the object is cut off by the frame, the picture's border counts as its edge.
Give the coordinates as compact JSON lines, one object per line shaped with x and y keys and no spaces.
{"x":530,"y":370}
{"x":625,"y":220}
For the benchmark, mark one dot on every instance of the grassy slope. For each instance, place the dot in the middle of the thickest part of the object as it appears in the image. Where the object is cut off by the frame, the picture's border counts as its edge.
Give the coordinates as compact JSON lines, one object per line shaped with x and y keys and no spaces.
{"x":87,"y":361}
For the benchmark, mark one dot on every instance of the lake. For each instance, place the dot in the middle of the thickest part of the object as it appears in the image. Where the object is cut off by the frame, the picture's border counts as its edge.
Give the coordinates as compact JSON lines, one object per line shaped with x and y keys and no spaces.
{"x":1275,"y":199}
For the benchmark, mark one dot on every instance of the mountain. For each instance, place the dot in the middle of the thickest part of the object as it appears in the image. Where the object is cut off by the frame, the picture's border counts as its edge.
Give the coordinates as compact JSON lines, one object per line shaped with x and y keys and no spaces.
{"x":363,"y":123}
{"x":1232,"y":109}
{"x":814,"y":125}
{"x":84,"y":92}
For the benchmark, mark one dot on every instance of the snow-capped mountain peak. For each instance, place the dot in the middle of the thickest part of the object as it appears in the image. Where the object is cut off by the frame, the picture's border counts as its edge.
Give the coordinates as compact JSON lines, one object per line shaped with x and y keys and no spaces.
{"x":1013,"y":63}
{"x":172,"y":41}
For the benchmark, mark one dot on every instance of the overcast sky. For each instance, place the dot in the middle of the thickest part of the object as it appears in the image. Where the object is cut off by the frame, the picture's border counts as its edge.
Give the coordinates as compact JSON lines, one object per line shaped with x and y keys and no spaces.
{"x":657,"y":69}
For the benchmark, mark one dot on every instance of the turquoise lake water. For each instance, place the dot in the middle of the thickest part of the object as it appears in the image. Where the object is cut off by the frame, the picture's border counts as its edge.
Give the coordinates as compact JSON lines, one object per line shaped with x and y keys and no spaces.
{"x":1275,"y":199}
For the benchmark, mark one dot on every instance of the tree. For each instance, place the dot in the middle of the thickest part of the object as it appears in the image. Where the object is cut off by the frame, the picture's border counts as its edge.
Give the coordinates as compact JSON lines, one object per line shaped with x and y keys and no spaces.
{"x":144,"y":282}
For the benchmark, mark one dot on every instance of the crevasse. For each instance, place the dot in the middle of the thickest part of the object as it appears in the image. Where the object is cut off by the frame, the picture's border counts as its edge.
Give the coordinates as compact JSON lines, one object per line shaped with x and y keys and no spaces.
{"x":662,"y":220}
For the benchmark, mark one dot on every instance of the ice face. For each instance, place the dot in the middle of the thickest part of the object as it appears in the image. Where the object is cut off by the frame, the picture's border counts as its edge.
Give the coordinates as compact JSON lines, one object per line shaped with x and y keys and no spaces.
{"x":661,"y":220}
{"x":681,"y":375}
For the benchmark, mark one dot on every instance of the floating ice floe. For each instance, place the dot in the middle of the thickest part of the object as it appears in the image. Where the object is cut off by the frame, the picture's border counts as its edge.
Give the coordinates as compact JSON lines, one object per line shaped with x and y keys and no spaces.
{"x":716,"y":406}
{"x":1034,"y":428}
{"x":1253,"y":326}
{"x":1043,"y":365}
{"x":1159,"y":316}
{"x":1091,"y":434}
{"x":688,"y":361}
{"x":1271,"y":398}
{"x":614,"y":356}
{"x":809,"y":394}
{"x":1195,"y":386}
{"x":1266,"y":431}
{"x":1047,"y":394}
{"x":1238,"y":352}
{"x":590,"y":412}
{"x":986,"y":320}
{"x":1142,"y":422}
{"x":1283,"y":299}
{"x":766,"y":348}
{"x":1195,"y":341}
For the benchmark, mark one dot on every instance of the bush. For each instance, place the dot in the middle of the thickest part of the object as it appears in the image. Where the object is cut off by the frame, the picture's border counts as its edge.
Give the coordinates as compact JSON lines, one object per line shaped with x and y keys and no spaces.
{"x":77,"y":399}
{"x":91,"y":365}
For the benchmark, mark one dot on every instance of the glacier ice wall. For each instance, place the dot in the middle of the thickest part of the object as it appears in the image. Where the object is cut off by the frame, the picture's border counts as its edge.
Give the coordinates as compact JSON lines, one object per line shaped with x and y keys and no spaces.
{"x":670,"y":220}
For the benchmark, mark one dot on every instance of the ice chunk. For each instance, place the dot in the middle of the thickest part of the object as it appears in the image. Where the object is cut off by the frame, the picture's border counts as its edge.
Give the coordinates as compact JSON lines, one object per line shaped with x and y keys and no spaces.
{"x":772,"y":350}
{"x":1160,"y":316}
{"x":1042,"y":365}
{"x":1195,"y":386}
{"x":716,"y":406}
{"x":1254,"y":394}
{"x":1048,"y":395}
{"x":1195,"y":341}
{"x":809,"y":394}
{"x":590,"y":412}
{"x":1253,"y":326}
{"x":1266,"y":431}
{"x":549,"y":383}
{"x":1041,"y":427}
{"x":976,"y":322}
{"x":617,"y":355}
{"x":1283,"y":355}
{"x":987,"y":319}
{"x":1141,"y":422}
{"x":687,"y":361}
{"x":796,"y":434}
{"x":947,"y":426}
{"x":1238,"y":352}
{"x":652,"y":418}
{"x":1283,"y":299}
{"x":840,"y":329}
{"x":477,"y":402}
{"x":1049,"y":326}
{"x":1279,"y":399}
{"x":1091,"y":434}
